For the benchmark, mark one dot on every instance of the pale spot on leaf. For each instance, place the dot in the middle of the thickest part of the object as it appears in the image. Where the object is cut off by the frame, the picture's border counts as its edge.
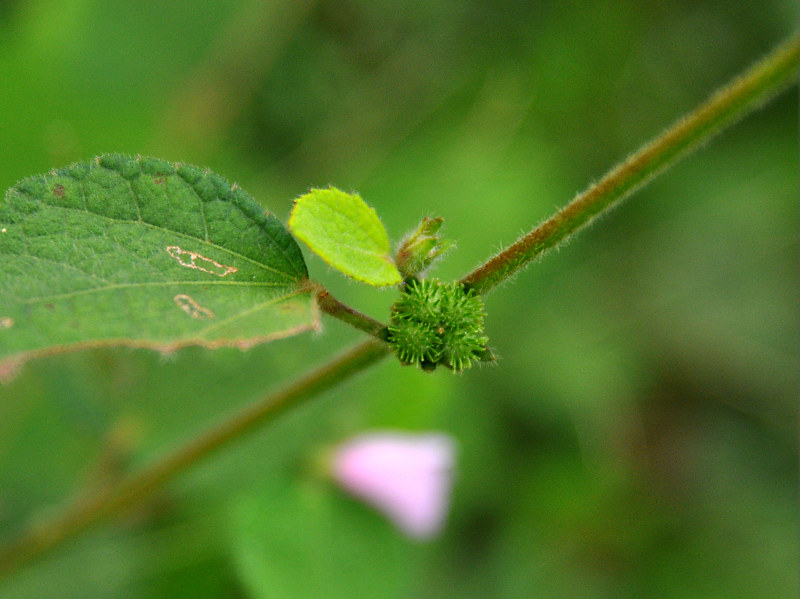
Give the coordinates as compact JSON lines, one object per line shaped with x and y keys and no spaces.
{"x":192,"y":308}
{"x":194,"y":260}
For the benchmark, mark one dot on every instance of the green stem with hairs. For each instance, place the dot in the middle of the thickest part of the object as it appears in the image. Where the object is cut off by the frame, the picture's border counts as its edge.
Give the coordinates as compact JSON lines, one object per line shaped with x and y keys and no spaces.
{"x":333,"y":307}
{"x":87,"y":511}
{"x":744,"y":94}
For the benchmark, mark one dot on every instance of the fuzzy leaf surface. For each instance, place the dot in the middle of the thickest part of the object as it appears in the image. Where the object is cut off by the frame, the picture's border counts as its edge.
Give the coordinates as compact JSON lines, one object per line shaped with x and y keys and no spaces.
{"x":347,"y":233}
{"x":143,"y":252}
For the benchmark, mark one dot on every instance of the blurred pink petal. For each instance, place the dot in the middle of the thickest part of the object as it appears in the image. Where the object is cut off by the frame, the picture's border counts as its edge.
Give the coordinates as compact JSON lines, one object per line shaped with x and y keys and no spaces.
{"x":408,"y":477}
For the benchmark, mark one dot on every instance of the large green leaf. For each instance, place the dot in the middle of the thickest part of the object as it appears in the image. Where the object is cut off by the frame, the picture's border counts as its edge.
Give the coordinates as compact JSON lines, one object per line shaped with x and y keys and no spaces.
{"x":300,"y":538}
{"x":142,"y":252}
{"x":347,"y":233}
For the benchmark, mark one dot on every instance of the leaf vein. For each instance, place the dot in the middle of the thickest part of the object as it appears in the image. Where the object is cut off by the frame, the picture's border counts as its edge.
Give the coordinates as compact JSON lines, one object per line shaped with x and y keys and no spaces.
{"x":179,"y":233}
{"x":135,"y":201}
{"x":63,"y":265}
{"x":249,"y":217}
{"x":116,"y":286}
{"x":248,"y":312}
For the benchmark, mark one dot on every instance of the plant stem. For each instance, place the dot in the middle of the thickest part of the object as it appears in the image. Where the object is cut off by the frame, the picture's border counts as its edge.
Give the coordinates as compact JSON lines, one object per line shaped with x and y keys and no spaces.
{"x":744,"y":94}
{"x":87,"y":511}
{"x":333,"y":307}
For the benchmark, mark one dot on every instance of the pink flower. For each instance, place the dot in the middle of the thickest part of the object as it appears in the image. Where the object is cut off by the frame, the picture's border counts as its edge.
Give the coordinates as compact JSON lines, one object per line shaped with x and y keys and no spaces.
{"x":406,"y":476}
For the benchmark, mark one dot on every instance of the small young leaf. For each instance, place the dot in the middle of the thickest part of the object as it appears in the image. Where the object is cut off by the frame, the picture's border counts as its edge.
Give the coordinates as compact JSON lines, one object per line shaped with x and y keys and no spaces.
{"x":138,"y":251}
{"x":346,"y":233}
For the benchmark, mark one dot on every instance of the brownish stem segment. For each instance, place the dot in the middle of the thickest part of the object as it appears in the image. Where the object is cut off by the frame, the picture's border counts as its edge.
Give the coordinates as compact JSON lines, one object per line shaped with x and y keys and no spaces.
{"x":90,"y":510}
{"x":333,"y":307}
{"x":744,"y":94}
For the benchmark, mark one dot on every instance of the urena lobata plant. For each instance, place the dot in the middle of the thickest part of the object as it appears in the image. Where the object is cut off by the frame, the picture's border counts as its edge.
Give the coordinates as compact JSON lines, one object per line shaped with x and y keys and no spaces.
{"x":144,"y":252}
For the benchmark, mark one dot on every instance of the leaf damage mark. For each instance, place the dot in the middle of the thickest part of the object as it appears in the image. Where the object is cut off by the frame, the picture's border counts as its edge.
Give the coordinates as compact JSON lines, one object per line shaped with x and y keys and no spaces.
{"x":6,"y":322}
{"x":192,"y":308}
{"x":194,"y":260}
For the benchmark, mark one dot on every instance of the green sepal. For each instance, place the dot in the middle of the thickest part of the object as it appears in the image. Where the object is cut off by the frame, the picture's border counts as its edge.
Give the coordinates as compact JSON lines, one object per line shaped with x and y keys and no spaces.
{"x":422,"y":247}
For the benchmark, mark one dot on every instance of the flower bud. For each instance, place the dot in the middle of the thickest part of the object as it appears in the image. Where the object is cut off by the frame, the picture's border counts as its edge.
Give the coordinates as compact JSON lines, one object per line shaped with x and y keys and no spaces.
{"x":422,"y":247}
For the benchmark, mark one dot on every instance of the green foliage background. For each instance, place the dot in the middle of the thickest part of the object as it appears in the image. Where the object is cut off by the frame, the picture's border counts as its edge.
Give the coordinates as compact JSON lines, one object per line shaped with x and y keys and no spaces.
{"x":639,"y":435}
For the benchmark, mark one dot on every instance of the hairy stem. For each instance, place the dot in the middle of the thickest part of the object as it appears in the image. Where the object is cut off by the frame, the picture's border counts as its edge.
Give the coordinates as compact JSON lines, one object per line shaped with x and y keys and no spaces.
{"x":333,"y":307}
{"x":742,"y":95}
{"x":89,"y":510}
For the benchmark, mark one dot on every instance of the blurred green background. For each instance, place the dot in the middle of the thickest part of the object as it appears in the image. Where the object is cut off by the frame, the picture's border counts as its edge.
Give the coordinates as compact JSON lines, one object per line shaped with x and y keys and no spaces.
{"x":639,"y":434}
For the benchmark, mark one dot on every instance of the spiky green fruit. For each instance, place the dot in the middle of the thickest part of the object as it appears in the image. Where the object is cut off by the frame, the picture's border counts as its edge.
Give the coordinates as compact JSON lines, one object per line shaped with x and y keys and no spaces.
{"x":438,"y":323}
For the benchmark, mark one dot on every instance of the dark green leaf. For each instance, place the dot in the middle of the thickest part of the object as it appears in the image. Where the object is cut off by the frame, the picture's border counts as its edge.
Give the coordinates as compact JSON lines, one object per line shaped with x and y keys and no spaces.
{"x":143,"y":252}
